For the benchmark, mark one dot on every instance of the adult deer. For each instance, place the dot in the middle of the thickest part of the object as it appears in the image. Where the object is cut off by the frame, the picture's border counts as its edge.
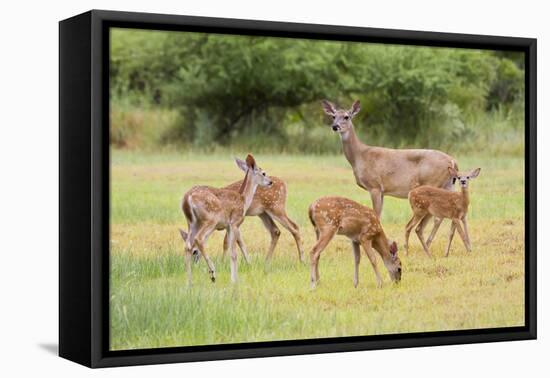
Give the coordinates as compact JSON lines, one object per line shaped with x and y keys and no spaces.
{"x":430,"y":201}
{"x":207,"y":209}
{"x":342,"y":216}
{"x":387,"y":171}
{"x":269,"y":204}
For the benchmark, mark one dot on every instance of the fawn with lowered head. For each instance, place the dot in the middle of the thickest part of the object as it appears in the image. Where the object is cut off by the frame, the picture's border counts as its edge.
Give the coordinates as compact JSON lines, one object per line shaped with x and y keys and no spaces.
{"x":429,"y":201}
{"x":207,"y":209}
{"x":337,"y":215}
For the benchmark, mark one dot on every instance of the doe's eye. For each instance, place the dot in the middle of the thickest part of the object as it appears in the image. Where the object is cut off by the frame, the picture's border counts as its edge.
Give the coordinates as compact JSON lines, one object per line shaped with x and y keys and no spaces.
{"x":346,"y":118}
{"x":263,"y":173}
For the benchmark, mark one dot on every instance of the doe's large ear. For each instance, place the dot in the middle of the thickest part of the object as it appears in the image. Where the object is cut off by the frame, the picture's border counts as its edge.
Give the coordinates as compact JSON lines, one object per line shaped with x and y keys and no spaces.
{"x":453,"y":172}
{"x":250,"y":161}
{"x":355,"y":108}
{"x":241,"y":164}
{"x":328,"y":107}
{"x":475,"y":173}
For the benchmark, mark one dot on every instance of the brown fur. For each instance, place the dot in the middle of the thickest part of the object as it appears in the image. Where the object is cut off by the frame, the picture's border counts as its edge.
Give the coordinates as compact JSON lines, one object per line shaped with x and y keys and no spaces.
{"x":269,"y":204}
{"x":207,"y":209}
{"x":427,"y":201}
{"x":332,"y":216}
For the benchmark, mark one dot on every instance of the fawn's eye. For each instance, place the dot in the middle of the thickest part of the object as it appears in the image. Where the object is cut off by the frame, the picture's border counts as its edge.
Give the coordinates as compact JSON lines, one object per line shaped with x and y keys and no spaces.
{"x":333,"y":117}
{"x":468,"y":177}
{"x":263,"y":173}
{"x":346,"y":118}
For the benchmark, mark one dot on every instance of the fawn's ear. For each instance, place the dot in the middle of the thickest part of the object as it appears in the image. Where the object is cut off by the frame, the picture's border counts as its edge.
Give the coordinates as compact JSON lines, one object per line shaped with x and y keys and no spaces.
{"x":393,"y":249}
{"x":250,"y":161}
{"x":241,"y":164}
{"x":355,"y":108}
{"x":183,"y":234}
{"x":475,"y":173}
{"x":453,"y":172}
{"x":328,"y":108}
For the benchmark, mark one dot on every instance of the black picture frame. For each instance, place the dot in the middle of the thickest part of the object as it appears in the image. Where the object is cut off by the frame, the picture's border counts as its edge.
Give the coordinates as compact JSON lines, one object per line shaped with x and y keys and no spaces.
{"x":84,"y":188}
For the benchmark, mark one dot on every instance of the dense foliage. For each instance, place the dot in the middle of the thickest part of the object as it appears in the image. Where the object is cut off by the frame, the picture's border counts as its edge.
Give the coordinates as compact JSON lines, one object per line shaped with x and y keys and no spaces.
{"x":238,"y":90}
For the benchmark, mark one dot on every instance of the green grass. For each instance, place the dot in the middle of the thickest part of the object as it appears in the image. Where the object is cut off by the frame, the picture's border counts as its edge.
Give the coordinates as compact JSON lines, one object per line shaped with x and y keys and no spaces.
{"x":151,"y":305}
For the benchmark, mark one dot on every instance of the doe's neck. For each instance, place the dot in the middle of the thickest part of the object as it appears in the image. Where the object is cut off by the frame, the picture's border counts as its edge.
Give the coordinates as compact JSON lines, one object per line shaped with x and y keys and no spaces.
{"x":351,"y":144}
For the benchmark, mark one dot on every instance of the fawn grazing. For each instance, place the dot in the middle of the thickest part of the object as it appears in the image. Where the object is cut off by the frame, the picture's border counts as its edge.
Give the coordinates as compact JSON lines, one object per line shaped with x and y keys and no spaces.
{"x":429,"y":201}
{"x":269,"y":204}
{"x":207,"y":209}
{"x":337,"y":215}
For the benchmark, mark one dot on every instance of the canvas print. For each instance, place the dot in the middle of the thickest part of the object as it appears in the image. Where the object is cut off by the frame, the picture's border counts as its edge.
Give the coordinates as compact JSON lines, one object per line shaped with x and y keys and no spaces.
{"x":268,"y":189}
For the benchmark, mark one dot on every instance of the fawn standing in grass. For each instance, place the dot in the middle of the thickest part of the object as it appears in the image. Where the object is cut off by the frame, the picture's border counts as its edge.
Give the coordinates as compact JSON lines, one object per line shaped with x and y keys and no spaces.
{"x":207,"y":209}
{"x":338,"y":215}
{"x":440,"y":203}
{"x":269,"y":204}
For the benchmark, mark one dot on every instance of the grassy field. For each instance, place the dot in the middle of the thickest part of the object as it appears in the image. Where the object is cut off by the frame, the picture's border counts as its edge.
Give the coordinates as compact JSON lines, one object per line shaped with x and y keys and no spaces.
{"x":151,"y":305}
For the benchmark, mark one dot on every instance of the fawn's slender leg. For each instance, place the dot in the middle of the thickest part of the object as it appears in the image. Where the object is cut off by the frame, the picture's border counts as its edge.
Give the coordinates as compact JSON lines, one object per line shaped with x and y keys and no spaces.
{"x":465,"y":223}
{"x":292,"y":227}
{"x":231,"y":235}
{"x":367,"y":246}
{"x":410,"y":225}
{"x":325,"y":236}
{"x":462,"y":235}
{"x":241,"y":244}
{"x":420,"y":234}
{"x":273,"y":231}
{"x":242,"y":247}
{"x":437,"y":223}
{"x":357,"y":258}
{"x":451,"y":235}
{"x":200,"y":241}
{"x":377,"y":198}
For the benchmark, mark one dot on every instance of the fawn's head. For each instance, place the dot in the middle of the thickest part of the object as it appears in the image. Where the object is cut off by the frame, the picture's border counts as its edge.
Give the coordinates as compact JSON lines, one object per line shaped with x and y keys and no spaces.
{"x":394,"y":267}
{"x":464,"y":177}
{"x":257,"y":175}
{"x":341,"y":118}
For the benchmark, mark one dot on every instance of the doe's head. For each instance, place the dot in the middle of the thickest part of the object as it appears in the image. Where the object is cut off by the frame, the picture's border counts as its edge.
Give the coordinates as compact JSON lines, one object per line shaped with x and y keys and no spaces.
{"x":464,"y":177}
{"x":249,"y":166}
{"x":341,"y":118}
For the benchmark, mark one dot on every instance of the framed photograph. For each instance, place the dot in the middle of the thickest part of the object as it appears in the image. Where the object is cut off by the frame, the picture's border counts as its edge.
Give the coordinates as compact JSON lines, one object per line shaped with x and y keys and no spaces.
{"x":234,"y":188}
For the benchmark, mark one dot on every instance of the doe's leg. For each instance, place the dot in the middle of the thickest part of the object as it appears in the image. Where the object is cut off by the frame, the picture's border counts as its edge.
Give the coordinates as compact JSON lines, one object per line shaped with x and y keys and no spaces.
{"x":377,"y":198}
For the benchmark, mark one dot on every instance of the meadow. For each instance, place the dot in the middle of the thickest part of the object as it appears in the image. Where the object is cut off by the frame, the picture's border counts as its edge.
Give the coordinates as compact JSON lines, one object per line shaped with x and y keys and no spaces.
{"x":152,"y":306}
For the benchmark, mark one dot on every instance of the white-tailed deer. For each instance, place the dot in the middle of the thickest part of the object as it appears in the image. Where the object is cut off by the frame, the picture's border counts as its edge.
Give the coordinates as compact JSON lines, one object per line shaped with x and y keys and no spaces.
{"x":387,"y":171}
{"x":207,"y":209}
{"x":269,"y":204}
{"x":336,"y":215}
{"x":429,"y":201}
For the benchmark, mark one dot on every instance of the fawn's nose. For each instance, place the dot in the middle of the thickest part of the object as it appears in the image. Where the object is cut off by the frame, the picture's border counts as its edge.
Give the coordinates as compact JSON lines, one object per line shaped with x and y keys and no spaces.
{"x":335,"y":127}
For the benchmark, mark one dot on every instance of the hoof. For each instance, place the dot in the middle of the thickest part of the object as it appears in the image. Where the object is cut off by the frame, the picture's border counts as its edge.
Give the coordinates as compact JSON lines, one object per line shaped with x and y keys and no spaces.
{"x":213,"y":279}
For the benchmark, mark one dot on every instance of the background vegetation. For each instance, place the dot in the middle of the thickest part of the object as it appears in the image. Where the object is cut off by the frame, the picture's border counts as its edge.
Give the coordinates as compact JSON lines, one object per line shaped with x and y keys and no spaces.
{"x":208,"y":92}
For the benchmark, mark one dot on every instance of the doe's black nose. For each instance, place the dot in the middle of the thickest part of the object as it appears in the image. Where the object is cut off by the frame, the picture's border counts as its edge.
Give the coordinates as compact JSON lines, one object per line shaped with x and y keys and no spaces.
{"x":334,"y":127}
